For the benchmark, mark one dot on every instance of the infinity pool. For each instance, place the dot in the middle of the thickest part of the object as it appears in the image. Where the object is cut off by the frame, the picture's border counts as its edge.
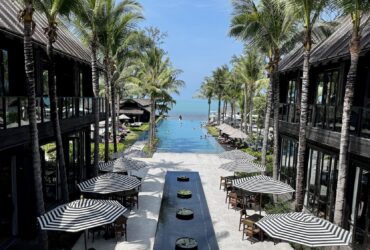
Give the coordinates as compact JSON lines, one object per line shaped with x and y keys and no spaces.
{"x":184,"y":137}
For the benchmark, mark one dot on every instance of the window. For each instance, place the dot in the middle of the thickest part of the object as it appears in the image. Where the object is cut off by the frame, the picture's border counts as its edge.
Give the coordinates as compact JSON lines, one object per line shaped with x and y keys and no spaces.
{"x":288,"y":164}
{"x":327,"y":88}
{"x":322,"y":176}
{"x":362,"y":211}
{"x":292,"y":92}
{"x":4,"y":72}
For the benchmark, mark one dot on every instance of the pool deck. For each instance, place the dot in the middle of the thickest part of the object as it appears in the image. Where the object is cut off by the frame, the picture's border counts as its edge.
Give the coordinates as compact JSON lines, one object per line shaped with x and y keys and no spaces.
{"x":142,"y":223}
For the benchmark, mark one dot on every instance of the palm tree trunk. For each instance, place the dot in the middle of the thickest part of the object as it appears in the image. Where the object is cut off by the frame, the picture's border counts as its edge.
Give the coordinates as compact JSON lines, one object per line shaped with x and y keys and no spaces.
{"x":224,"y":111}
{"x":219,"y":111}
{"x":245,"y":107}
{"x":106,"y":132}
{"x":250,"y":110}
{"x":355,"y":48}
{"x":276,"y":117}
{"x":209,"y":109}
{"x":151,"y":124}
{"x":31,"y":92}
{"x":114,"y":124}
{"x":302,"y":125}
{"x":267,"y":120}
{"x":95,"y":82}
{"x":55,"y":120}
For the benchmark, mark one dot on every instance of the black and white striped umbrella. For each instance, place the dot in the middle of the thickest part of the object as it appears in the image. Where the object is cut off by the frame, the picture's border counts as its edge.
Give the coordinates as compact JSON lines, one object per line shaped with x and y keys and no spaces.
{"x":81,"y":214}
{"x":262,"y":184}
{"x":236,"y":154}
{"x":243,"y":165}
{"x":304,"y":229}
{"x":109,"y":183}
{"x":122,"y":164}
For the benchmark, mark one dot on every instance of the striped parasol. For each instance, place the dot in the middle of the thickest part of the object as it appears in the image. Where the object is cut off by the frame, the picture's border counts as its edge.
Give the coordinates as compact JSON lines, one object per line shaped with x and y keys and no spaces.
{"x":262,"y":184}
{"x":243,"y":165}
{"x":304,"y":229}
{"x":122,"y":165}
{"x":81,"y":214}
{"x":109,"y":183}
{"x":236,"y":154}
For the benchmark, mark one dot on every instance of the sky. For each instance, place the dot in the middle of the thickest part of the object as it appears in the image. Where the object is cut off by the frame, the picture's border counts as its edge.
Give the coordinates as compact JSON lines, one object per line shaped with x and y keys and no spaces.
{"x":197,"y":36}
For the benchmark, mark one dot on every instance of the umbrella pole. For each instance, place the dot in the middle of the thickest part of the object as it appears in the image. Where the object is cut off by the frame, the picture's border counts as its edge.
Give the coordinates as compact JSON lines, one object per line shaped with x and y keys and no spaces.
{"x":85,"y":239}
{"x":260,"y":203}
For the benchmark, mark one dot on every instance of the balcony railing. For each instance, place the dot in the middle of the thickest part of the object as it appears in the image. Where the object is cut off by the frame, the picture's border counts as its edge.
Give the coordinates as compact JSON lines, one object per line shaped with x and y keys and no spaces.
{"x":329,"y":117}
{"x":14,"y":109}
{"x":288,"y":113}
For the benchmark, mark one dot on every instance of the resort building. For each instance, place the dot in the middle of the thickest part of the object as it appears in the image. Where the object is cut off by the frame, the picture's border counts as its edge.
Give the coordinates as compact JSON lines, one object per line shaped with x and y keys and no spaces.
{"x":138,"y":110}
{"x":75,"y":102}
{"x":330,"y":64}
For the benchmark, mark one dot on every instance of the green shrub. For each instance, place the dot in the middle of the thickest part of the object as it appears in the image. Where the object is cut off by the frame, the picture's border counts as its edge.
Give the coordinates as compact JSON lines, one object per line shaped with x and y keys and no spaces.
{"x":213,"y":131}
{"x":279,"y":207}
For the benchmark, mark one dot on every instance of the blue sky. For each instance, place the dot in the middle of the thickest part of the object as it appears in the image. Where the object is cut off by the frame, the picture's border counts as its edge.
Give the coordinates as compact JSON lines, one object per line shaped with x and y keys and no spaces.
{"x":197,"y":40}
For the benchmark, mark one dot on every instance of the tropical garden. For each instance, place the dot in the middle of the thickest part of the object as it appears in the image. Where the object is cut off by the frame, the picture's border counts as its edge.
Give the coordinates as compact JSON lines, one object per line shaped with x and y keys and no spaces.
{"x":126,"y":61}
{"x":270,"y":29}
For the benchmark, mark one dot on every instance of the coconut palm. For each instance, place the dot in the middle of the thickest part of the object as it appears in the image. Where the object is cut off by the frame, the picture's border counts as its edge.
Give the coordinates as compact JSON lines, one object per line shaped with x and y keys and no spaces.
{"x":249,"y":69}
{"x":157,"y":78}
{"x":116,"y":22}
{"x":26,"y":17}
{"x":268,"y":26}
{"x":86,"y":22}
{"x":307,"y":12}
{"x":220,"y":79}
{"x":206,"y":91}
{"x":357,"y":10}
{"x":51,"y":9}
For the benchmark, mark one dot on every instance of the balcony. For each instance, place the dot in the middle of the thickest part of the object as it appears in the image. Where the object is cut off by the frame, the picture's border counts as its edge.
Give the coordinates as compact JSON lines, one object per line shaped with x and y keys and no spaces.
{"x":329,"y":118}
{"x":14,"y":112}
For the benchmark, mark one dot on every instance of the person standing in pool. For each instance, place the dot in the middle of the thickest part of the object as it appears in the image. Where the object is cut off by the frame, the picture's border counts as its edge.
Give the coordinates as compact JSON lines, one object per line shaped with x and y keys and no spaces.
{"x":180,"y":117}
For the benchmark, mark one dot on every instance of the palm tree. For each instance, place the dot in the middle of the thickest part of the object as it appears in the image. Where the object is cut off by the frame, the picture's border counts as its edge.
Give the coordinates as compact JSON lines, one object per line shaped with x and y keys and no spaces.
{"x":357,"y":10}
{"x":268,"y":26}
{"x":157,"y":78}
{"x":86,"y":22}
{"x":26,"y":16}
{"x":248,"y":68}
{"x":308,"y":12}
{"x":118,"y":20}
{"x":51,"y":9}
{"x":220,"y":79}
{"x":207,"y":92}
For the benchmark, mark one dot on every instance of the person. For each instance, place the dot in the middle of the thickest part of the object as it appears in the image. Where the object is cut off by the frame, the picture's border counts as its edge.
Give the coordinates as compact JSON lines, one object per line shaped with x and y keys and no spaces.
{"x":180,"y":117}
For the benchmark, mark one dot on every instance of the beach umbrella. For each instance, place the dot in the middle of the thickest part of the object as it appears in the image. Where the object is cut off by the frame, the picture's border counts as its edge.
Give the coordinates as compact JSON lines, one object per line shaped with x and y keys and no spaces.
{"x":109,"y":183}
{"x":243,"y":165}
{"x":80,"y":215}
{"x":122,"y":164}
{"x":236,"y":154}
{"x":237,"y":134}
{"x":262,"y":184}
{"x":304,"y":229}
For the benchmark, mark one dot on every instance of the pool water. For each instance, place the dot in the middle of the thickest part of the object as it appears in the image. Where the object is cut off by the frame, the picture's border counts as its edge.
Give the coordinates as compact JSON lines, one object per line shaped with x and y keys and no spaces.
{"x":186,"y":136}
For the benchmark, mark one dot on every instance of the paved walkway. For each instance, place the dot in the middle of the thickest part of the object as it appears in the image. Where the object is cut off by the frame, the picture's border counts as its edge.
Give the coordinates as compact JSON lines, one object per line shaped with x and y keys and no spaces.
{"x":142,"y":223}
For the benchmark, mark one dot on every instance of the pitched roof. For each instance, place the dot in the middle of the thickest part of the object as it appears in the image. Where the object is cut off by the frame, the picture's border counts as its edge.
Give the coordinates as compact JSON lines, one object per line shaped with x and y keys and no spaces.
{"x":143,"y":102}
{"x":333,"y":48}
{"x":66,"y":43}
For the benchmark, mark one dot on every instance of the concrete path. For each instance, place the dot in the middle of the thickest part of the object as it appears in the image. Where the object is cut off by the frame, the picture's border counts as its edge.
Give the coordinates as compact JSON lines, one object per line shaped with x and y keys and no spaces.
{"x":142,"y":223}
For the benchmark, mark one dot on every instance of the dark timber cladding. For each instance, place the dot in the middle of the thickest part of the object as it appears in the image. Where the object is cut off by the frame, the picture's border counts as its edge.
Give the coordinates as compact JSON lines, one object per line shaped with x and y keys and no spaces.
{"x":330,"y":62}
{"x":66,"y":43}
{"x":171,"y":228}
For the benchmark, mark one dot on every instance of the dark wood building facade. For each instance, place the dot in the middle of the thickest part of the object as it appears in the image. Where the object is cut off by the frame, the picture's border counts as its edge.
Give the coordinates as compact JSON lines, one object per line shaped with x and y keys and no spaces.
{"x":138,"y":110}
{"x":75,"y":102}
{"x":330,"y":65}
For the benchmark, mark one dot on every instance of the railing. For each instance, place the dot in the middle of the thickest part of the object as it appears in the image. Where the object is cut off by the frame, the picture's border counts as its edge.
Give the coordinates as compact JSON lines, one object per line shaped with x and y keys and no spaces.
{"x":288,"y":113}
{"x":329,"y":118}
{"x":14,"y":109}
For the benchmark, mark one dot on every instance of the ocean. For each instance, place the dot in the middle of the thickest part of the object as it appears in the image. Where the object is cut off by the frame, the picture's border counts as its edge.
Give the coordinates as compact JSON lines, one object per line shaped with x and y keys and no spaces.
{"x":192,"y":109}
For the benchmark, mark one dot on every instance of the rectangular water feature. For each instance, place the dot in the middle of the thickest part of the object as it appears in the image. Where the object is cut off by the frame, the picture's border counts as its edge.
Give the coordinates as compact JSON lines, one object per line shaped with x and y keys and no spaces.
{"x":170,"y":228}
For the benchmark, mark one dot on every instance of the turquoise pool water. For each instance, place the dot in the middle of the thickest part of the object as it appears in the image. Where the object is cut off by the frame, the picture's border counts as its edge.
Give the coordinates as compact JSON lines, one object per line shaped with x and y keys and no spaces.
{"x":185,"y":136}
